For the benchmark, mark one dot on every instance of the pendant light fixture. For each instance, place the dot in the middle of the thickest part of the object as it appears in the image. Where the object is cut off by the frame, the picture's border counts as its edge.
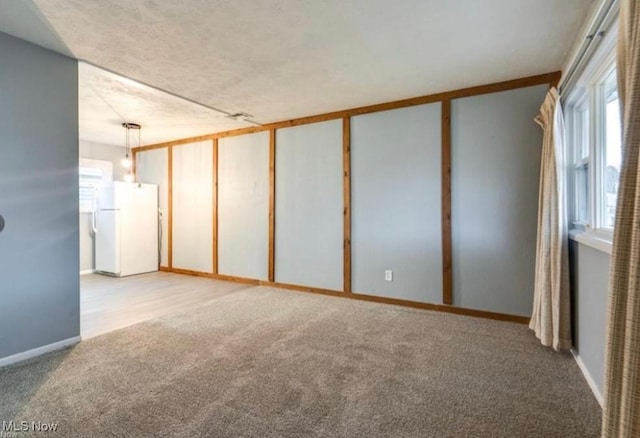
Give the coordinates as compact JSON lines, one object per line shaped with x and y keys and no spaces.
{"x":127,"y":161}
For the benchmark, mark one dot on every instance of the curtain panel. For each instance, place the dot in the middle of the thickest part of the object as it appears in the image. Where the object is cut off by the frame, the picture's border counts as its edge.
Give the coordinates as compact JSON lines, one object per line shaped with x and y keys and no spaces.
{"x":621,"y":416}
{"x":551,"y":318}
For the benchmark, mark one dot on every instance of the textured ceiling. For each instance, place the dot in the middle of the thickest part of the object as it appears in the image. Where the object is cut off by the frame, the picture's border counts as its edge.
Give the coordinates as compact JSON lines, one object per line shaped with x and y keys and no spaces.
{"x":281,"y":59}
{"x":107,"y":100}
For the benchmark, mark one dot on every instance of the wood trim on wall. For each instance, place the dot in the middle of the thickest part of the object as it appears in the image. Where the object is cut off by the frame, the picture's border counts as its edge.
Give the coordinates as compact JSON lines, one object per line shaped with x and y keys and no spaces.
{"x":309,"y":289}
{"x":529,"y":81}
{"x":346,"y":167}
{"x":360,"y":297}
{"x":215,"y":207}
{"x":170,"y":208}
{"x":177,"y":142}
{"x":237,"y":279}
{"x":445,"y":309}
{"x":272,"y":204}
{"x":134,"y":165}
{"x":445,"y":98}
{"x":447,"y":268}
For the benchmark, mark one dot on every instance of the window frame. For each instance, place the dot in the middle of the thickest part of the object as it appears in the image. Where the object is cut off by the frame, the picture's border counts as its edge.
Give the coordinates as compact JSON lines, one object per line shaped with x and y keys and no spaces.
{"x":582,"y":102}
{"x":589,"y":90}
{"x":600,"y":148}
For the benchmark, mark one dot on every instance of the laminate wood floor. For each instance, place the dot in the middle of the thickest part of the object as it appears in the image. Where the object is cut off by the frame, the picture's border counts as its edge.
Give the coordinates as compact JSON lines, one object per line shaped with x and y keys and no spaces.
{"x":110,"y":303}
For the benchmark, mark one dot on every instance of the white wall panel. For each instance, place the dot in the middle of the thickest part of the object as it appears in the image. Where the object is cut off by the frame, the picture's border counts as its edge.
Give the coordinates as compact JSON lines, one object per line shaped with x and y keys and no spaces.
{"x":153,"y":167}
{"x":243,"y":206}
{"x":193,"y":206}
{"x":309,"y":232}
{"x":396,"y":203}
{"x":495,"y":175}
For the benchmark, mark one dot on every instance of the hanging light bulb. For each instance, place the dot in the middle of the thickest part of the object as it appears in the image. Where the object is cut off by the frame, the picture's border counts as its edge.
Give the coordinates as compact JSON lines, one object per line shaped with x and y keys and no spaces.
{"x":127,"y":162}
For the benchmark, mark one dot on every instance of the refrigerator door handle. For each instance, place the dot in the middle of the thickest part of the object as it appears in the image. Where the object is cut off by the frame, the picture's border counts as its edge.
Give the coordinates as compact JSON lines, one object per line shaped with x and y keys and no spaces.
{"x":94,"y":213}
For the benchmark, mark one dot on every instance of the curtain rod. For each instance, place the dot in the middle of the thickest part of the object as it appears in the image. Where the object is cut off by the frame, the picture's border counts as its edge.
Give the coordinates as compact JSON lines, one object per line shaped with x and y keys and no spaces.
{"x":602,"y":21}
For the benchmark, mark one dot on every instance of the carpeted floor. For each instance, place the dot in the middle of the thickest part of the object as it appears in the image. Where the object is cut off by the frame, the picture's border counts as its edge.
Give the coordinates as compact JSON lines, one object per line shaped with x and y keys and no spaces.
{"x":263,"y":362}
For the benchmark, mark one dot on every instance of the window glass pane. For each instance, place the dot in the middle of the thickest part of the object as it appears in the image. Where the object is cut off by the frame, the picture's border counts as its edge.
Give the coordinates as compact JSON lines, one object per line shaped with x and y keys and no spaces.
{"x":87,"y":193}
{"x":583,"y":136}
{"x":582,"y":193}
{"x":91,"y":174}
{"x":613,"y":150}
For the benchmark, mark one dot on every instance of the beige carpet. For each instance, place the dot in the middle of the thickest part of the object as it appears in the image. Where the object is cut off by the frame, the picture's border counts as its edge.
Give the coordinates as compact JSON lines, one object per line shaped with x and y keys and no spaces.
{"x":263,"y":362}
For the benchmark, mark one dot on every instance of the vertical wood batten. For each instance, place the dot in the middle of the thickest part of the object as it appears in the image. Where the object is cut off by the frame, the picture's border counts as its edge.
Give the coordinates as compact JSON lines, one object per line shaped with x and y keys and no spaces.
{"x":170,"y":208}
{"x":447,"y":271}
{"x":272,"y":203}
{"x":215,"y":207}
{"x":134,"y":166}
{"x":346,"y":156}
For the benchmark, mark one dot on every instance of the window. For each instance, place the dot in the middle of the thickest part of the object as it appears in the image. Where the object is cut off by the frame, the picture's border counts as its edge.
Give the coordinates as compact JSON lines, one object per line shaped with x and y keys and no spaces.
{"x":593,"y":134}
{"x":92,"y":174}
{"x":594,"y":139}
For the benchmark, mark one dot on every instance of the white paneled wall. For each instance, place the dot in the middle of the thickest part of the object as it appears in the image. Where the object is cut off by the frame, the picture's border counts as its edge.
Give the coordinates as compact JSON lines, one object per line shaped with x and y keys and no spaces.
{"x":192,"y":190}
{"x":153,"y":167}
{"x":396,"y":203}
{"x":243,"y":206}
{"x":309,"y":219}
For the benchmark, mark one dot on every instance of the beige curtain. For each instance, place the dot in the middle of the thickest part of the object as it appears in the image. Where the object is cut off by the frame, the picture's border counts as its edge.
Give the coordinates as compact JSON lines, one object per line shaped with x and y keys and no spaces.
{"x":551,"y":318}
{"x":621,"y":416}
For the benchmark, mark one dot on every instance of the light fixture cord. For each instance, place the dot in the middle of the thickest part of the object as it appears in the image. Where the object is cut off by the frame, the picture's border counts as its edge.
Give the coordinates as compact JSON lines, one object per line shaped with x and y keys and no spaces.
{"x":128,"y":145}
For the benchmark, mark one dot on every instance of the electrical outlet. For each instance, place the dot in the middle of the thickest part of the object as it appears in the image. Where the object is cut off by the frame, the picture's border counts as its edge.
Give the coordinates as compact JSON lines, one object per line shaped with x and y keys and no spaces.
{"x":388,"y":275}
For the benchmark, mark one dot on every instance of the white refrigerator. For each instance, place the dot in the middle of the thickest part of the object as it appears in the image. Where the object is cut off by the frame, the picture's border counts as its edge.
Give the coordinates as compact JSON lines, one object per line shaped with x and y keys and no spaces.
{"x":126,"y":229}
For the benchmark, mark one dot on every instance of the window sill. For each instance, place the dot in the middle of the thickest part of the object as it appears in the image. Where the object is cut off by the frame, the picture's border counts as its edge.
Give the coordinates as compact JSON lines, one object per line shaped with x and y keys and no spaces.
{"x":592,"y":240}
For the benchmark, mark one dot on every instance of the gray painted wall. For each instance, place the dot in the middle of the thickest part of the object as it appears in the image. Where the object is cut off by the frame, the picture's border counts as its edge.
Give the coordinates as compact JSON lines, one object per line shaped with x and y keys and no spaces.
{"x":590,"y":282}
{"x":396,"y":203}
{"x":309,"y":218}
{"x":243,"y":206}
{"x":105,"y":152}
{"x":39,"y":282}
{"x":495,"y":166}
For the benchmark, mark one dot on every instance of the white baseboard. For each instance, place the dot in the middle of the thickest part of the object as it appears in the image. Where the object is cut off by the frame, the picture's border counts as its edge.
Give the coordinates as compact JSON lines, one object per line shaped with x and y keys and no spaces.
{"x":88,"y":271}
{"x":588,"y":378}
{"x":10,"y":360}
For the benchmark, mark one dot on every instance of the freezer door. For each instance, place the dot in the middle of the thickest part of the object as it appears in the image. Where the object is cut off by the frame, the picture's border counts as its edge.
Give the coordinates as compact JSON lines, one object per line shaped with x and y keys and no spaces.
{"x":115,"y":195}
{"x":108,"y":242}
{"x":106,"y":199}
{"x":139,"y":223}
